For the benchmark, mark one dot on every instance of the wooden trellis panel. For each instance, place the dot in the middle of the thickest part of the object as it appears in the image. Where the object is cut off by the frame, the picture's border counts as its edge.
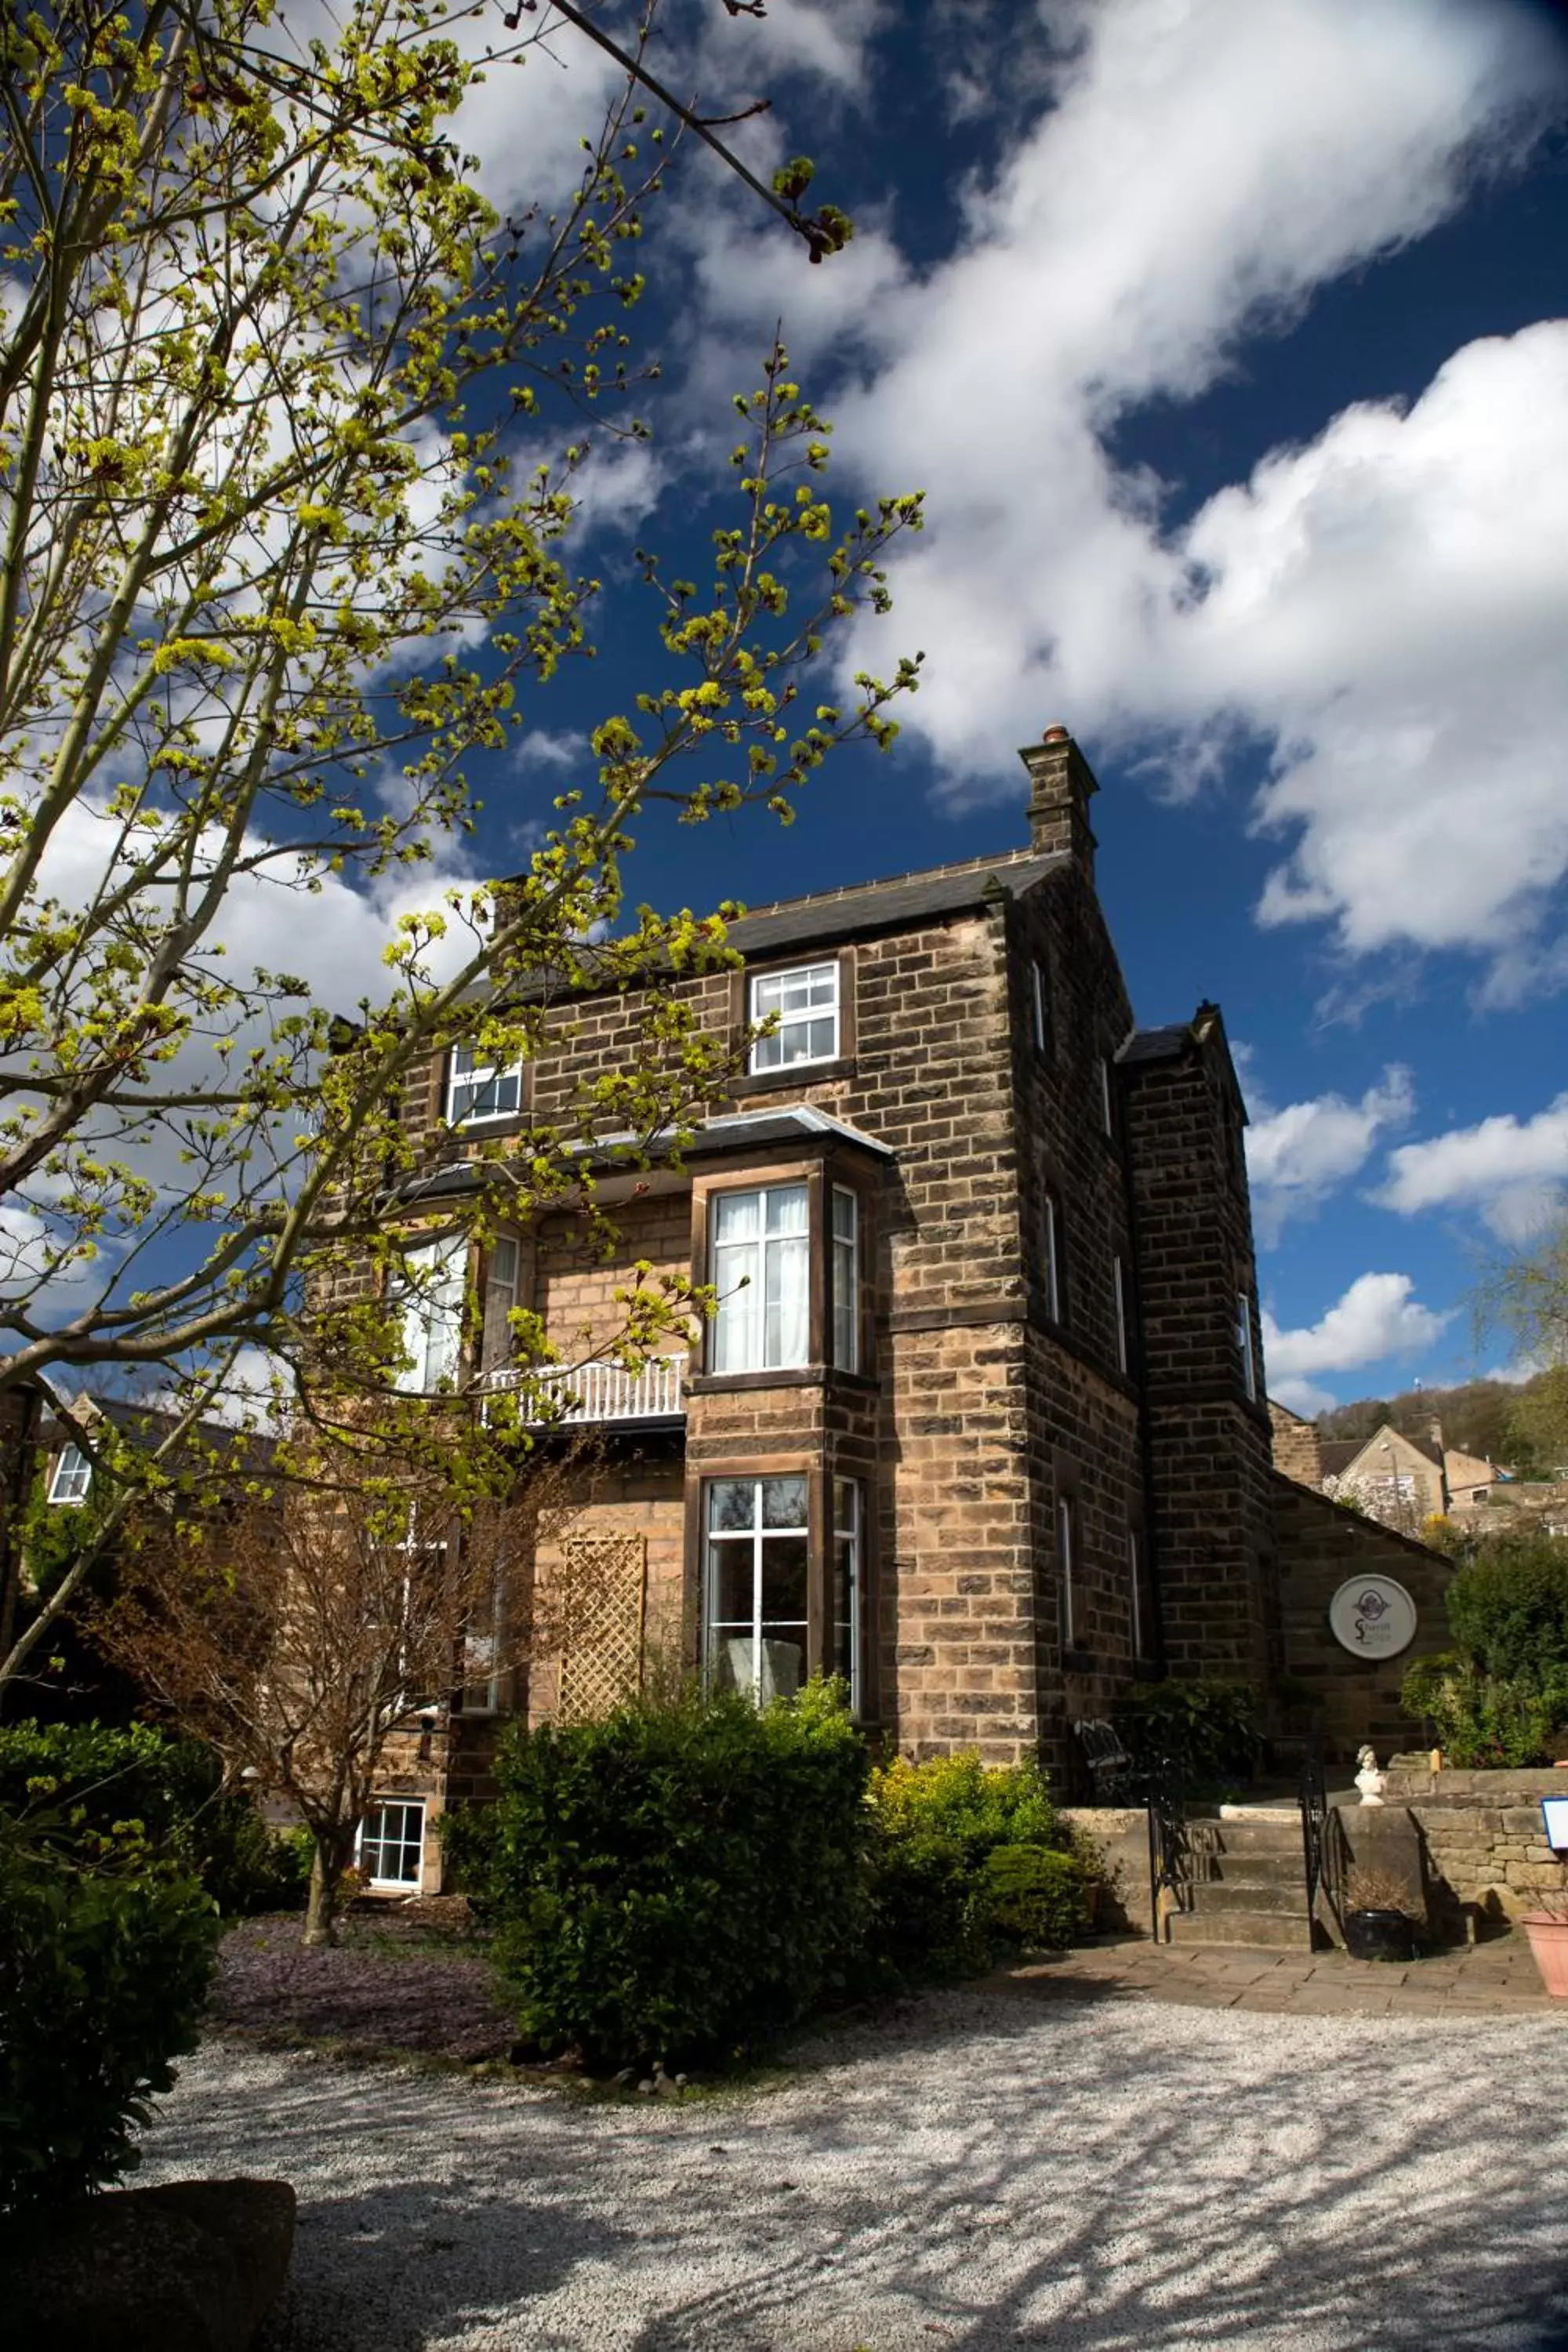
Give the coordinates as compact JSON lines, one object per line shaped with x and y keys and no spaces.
{"x":602,"y":1624}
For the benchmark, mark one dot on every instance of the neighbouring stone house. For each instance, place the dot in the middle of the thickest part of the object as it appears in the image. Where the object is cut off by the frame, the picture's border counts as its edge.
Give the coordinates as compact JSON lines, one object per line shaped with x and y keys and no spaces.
{"x":980,"y":1423}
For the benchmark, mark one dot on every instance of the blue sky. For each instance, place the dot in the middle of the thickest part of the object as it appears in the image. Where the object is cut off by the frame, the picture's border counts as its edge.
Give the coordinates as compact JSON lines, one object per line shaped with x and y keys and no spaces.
{"x":1229,"y":346}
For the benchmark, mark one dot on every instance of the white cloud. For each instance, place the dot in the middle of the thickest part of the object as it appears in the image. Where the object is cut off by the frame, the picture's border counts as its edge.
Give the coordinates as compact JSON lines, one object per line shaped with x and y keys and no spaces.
{"x":1297,"y":1156}
{"x":1375,"y":1318}
{"x":1304,"y":1397}
{"x":1384,"y":608}
{"x":1513,"y":1171}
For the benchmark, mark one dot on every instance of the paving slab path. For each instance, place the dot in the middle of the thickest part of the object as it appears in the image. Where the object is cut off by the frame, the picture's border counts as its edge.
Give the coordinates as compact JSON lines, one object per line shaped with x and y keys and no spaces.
{"x":987,"y":2169}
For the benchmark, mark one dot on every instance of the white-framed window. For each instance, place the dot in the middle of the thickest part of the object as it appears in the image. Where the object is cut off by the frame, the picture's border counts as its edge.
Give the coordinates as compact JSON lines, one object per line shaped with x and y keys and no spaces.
{"x":1119,"y":1302}
{"x":1243,"y":1344}
{"x":845,"y":1279}
{"x":430,"y":1293}
{"x":755,"y":1575}
{"x":760,"y":1266}
{"x":806,"y":1002}
{"x":390,"y":1848}
{"x":848,"y":1571}
{"x":1051,"y":1254}
{"x":73,"y":1476}
{"x":1106,"y":1100}
{"x":1040,"y":1007}
{"x":502,"y":1270}
{"x":478,"y":1091}
{"x":1067,"y":1568}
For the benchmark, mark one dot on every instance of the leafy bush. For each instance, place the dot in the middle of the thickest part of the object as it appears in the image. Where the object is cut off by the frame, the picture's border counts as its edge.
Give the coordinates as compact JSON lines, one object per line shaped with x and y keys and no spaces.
{"x":102,"y":1776}
{"x":1508,"y":1610}
{"x":1483,"y":1720}
{"x":966,"y":1862}
{"x":1500,"y":1697}
{"x":103,"y":1973}
{"x":469,"y":1838}
{"x":1207,"y":1730}
{"x":681,"y":1879}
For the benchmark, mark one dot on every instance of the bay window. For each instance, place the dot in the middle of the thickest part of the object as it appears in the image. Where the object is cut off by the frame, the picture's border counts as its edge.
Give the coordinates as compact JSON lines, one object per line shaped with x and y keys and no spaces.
{"x":755,"y":1579}
{"x":846,"y":1280}
{"x":848,"y":1571}
{"x":805,"y":1002}
{"x":429,"y":1292}
{"x":761,"y":1269}
{"x":500,"y":1298}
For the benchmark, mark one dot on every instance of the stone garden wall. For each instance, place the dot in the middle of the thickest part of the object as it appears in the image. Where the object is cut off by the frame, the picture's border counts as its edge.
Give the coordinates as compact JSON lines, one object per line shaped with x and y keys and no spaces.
{"x":1482,"y":1833}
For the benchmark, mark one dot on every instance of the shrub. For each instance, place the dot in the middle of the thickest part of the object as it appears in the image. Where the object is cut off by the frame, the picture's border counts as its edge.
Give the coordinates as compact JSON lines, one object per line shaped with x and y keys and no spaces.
{"x":1486,"y":1721}
{"x":1208,"y":1730}
{"x":1500,"y":1697}
{"x":1508,"y":1610}
{"x":172,"y":1789}
{"x":945,"y":1902}
{"x":682,"y":1879}
{"x":103,"y":1973}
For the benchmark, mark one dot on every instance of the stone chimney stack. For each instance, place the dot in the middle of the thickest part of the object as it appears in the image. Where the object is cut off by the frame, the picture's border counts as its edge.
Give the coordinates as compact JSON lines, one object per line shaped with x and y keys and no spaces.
{"x":1060,"y":783}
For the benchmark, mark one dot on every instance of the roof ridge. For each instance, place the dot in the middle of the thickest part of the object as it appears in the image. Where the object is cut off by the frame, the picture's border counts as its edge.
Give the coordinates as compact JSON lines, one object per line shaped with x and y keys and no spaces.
{"x":1026,"y":855}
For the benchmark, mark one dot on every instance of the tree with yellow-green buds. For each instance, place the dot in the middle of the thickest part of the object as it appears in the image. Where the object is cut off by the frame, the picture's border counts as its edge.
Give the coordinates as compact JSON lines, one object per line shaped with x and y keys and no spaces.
{"x":274,"y":575}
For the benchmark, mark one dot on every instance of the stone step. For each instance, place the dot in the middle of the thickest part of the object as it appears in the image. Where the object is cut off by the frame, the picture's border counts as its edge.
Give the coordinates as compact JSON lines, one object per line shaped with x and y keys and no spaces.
{"x":1265,"y":1869}
{"x":1223,"y":1895}
{"x":1251,"y":1837}
{"x":1254,"y":1930}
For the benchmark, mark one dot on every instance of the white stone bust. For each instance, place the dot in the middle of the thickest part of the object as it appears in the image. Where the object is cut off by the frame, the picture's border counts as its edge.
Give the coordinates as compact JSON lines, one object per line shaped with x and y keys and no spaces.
{"x":1369,"y":1779}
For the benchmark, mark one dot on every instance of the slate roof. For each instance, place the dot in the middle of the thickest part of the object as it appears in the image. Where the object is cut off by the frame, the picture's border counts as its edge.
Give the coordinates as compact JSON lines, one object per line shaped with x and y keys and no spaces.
{"x":862,"y":907}
{"x":739,"y":1131}
{"x":1161,"y":1045}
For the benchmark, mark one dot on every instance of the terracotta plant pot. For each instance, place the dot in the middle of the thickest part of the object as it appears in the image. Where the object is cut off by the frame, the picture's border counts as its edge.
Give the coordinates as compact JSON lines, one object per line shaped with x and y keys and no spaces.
{"x":1549,"y":1942}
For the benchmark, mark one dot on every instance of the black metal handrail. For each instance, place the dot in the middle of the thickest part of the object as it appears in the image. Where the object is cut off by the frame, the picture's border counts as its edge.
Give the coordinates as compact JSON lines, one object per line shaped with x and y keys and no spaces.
{"x":1170,"y":1867}
{"x":1321,"y":1837}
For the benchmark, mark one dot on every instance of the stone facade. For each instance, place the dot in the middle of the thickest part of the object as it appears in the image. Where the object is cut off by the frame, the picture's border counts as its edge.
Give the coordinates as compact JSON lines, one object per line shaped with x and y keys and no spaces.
{"x":1321,"y":1546}
{"x":1043,"y":1407}
{"x":1483,"y":1834}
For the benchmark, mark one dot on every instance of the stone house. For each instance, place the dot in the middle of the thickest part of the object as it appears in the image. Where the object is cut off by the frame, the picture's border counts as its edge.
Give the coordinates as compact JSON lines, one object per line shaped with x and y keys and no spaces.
{"x":980,"y":1423}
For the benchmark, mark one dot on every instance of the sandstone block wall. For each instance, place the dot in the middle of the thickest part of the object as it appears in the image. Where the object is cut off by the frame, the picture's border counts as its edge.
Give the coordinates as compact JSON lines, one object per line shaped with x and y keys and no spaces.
{"x":1321,"y":1547}
{"x":1484,"y":1834}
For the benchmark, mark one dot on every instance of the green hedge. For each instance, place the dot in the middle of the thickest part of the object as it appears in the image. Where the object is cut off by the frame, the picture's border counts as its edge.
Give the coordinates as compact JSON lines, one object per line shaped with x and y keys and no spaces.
{"x":172,"y":1789}
{"x":103,"y":1973}
{"x":681,"y":1880}
{"x":968,"y":1862}
{"x":1500,"y":1697}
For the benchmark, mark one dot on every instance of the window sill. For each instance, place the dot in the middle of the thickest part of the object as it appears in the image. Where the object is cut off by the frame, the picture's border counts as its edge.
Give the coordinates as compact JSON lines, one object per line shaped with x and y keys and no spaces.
{"x":796,"y":1376}
{"x":797,"y":1074}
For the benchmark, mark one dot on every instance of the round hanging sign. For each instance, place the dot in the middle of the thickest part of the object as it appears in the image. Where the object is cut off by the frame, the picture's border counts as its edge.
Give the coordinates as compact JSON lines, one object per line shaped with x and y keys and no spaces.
{"x":1373,"y":1617}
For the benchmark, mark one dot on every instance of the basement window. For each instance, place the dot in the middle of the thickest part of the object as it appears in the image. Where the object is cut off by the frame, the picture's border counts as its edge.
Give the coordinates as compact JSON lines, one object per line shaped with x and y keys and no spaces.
{"x":390,"y":1848}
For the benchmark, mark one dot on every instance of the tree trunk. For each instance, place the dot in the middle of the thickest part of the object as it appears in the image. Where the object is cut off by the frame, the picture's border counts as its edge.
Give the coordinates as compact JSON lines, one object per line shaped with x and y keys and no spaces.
{"x":332,"y":1854}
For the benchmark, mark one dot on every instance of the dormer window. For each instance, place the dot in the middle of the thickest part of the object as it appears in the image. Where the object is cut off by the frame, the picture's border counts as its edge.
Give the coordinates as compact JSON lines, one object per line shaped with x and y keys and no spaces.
{"x":477,"y":1091}
{"x":73,"y":1476}
{"x":806,"y":1001}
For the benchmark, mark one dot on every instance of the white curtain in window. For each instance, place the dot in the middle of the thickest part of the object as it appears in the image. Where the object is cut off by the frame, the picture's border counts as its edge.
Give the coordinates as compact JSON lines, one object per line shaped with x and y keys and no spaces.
{"x":500,"y":1298}
{"x":761,"y":1269}
{"x":433,"y":1313}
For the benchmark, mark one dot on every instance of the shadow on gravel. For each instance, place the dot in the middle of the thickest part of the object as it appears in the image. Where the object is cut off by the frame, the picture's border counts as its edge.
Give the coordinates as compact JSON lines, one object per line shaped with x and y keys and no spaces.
{"x":984,"y":2174}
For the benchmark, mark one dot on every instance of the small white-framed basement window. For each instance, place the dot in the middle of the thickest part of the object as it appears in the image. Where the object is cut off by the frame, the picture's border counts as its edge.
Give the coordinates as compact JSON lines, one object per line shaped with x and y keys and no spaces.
{"x":73,"y":1476}
{"x":806,"y":1001}
{"x":477,"y":1092}
{"x":390,"y":1847}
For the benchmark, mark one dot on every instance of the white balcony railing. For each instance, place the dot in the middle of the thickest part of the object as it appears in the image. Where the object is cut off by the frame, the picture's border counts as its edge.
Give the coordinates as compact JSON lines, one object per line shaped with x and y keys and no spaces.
{"x":601,"y":1390}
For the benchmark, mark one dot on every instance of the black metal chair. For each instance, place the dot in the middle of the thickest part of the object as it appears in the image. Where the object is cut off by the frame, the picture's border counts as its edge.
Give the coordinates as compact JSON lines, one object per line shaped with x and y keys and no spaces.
{"x":1109,"y":1763}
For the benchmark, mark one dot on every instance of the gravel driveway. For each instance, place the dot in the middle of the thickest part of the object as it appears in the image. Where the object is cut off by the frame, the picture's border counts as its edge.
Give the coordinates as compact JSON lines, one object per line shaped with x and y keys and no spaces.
{"x":978,"y":2171}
